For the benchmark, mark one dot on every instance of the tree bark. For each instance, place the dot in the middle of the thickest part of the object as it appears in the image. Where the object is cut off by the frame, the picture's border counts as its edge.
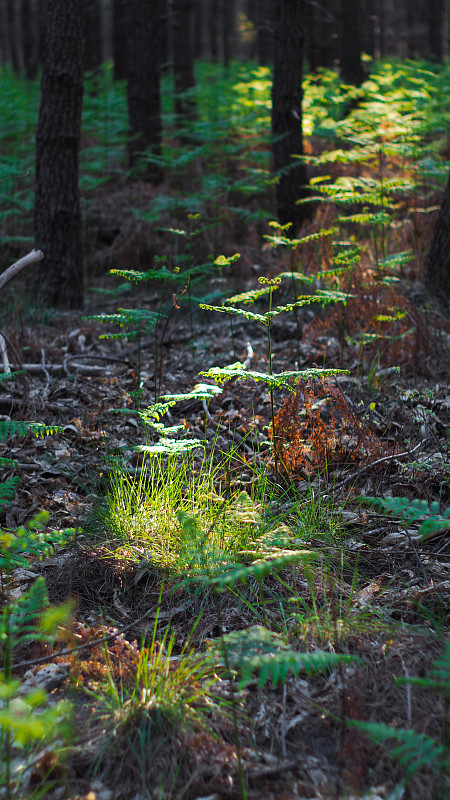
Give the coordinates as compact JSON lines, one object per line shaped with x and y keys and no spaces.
{"x":183,"y":59}
{"x":213,"y":29}
{"x":436,"y":29}
{"x":59,"y":279}
{"x":143,"y":87}
{"x":31,"y":37}
{"x":14,"y":22}
{"x":437,"y":270}
{"x":287,"y":111}
{"x":264,"y":32}
{"x":120,"y":39}
{"x":352,"y":70}
{"x":322,"y":38}
{"x":93,"y":48}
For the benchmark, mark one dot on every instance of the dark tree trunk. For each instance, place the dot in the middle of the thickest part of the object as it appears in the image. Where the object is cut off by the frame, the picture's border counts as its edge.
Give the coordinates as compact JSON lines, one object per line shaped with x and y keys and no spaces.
{"x":165,"y":36}
{"x":183,"y":59}
{"x":199,"y":28}
{"x":143,"y":87}
{"x":437,"y":272}
{"x":265,"y":33}
{"x":31,"y":33}
{"x":14,"y":22}
{"x":213,"y":29}
{"x":321,"y":22}
{"x":59,"y":278}
{"x":252,"y":16}
{"x":287,"y":111}
{"x":229,"y":27}
{"x":436,"y":29}
{"x":352,"y":70}
{"x":120,"y":39}
{"x":5,"y":39}
{"x":93,"y":49}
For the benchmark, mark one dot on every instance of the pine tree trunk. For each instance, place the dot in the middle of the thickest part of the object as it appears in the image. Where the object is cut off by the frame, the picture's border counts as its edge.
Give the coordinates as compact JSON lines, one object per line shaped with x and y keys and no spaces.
{"x":264,"y":33}
{"x":143,"y":86}
{"x":213,"y":28}
{"x":59,"y":278}
{"x":93,"y":49}
{"x":119,"y":39}
{"x":437,"y":272}
{"x":183,"y":59}
{"x":287,"y":111}
{"x":352,"y":70}
{"x":436,"y":29}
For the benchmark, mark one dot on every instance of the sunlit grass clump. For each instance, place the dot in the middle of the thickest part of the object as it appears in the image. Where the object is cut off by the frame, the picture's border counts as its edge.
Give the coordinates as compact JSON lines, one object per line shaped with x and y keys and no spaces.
{"x":173,"y":515}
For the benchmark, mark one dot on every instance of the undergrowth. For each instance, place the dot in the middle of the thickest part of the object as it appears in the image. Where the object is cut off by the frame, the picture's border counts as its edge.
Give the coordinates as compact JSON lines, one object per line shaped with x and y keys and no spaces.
{"x":278,"y":552}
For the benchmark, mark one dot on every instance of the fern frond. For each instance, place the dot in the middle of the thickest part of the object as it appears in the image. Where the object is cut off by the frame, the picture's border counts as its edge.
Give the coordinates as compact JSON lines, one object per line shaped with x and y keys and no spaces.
{"x":19,"y":621}
{"x":250,"y":296}
{"x":412,"y":510}
{"x":169,"y":447}
{"x":10,"y":376}
{"x":413,"y":750}
{"x":41,"y":430}
{"x":438,"y":677}
{"x":7,"y":490}
{"x":13,"y":427}
{"x":201,"y":391}
{"x":276,"y":666}
{"x":277,"y":380}
{"x":366,"y":218}
{"x":258,"y":570}
{"x":137,"y":277}
{"x":8,"y":462}
{"x":244,"y":644}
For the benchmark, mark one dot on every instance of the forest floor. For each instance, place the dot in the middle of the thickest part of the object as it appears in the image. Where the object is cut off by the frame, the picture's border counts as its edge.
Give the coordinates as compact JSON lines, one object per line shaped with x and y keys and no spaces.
{"x":366,"y":584}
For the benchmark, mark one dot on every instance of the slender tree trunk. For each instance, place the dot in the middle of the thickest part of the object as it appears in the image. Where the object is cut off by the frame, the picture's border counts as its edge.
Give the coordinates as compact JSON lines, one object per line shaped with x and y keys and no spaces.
{"x":228,"y":25}
{"x":143,"y":86}
{"x":93,"y":49}
{"x":120,"y":39}
{"x":5,"y":41}
{"x":437,"y":271}
{"x":352,"y":70}
{"x":322,"y":38}
{"x":287,"y":111}
{"x":183,"y":59}
{"x":165,"y":36}
{"x":31,"y":33}
{"x":436,"y":29}
{"x":14,"y":22}
{"x":199,"y":28}
{"x":213,"y":28}
{"x":59,"y":278}
{"x":265,"y":33}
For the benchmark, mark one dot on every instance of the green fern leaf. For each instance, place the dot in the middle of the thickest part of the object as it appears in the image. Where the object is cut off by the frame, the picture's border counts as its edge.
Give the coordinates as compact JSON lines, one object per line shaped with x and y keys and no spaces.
{"x":276,"y":666}
{"x":413,"y":750}
{"x":7,"y":490}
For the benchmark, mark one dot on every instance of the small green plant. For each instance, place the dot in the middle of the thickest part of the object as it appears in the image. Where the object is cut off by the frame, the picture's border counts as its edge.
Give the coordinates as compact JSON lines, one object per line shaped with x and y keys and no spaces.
{"x":12,"y":427}
{"x":418,"y":751}
{"x":26,"y":619}
{"x":267,"y":653}
{"x":410,"y":511}
{"x":163,"y":699}
{"x":271,"y":379}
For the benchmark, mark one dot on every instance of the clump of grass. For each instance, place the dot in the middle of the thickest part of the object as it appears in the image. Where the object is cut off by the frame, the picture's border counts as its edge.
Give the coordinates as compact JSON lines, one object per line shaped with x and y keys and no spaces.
{"x":144,"y":718}
{"x":144,"y":512}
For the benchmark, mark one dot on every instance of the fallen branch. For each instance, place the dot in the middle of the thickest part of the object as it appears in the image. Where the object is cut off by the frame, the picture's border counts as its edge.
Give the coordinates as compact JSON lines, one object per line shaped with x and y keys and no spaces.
{"x":368,"y":467}
{"x":18,"y":266}
{"x":61,"y":369}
